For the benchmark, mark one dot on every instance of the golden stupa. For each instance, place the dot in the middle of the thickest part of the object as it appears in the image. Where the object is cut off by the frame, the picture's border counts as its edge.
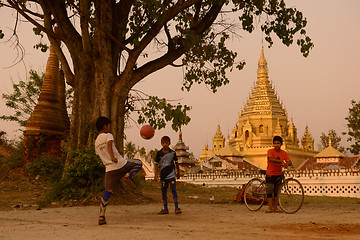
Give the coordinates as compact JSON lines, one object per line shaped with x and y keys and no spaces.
{"x":262,"y":117}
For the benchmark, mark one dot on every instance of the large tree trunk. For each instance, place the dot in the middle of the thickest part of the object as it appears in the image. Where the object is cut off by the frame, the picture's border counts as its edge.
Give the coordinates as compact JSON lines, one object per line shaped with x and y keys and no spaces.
{"x":82,"y":109}
{"x":96,"y":94}
{"x":118,"y":114}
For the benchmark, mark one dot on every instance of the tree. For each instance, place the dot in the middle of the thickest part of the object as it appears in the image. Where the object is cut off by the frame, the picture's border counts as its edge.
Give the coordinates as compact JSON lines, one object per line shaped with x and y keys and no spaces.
{"x":24,"y":98}
{"x":152,"y":154}
{"x":109,"y":43}
{"x":142,"y":151}
{"x":130,"y":149}
{"x":353,"y":125}
{"x":335,"y":141}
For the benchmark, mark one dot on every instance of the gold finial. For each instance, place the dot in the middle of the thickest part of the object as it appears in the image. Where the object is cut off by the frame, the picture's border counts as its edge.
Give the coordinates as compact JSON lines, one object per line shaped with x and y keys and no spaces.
{"x":330,"y":142}
{"x":262,"y":61}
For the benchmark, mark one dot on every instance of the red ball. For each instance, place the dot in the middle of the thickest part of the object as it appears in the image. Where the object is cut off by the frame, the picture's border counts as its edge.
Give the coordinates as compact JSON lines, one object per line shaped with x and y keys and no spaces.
{"x":147,"y":132}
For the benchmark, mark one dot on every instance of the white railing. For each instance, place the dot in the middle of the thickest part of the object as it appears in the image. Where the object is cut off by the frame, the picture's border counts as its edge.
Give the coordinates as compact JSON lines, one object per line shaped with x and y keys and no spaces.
{"x":341,"y":182}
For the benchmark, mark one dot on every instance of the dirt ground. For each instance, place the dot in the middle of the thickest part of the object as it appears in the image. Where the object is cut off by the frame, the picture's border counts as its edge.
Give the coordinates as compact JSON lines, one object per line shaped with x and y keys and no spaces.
{"x":198,"y":221}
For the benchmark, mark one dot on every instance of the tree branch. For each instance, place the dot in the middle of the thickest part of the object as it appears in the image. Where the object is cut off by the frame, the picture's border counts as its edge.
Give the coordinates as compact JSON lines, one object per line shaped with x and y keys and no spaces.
{"x":151,"y":33}
{"x":157,"y":64}
{"x":173,"y":54}
{"x":59,"y":53}
{"x":84,"y":25}
{"x":100,"y":28}
{"x":42,"y":28}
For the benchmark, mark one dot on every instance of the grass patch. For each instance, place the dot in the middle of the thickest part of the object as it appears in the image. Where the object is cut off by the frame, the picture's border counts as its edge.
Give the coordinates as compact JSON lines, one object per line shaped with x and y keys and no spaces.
{"x":190,"y":193}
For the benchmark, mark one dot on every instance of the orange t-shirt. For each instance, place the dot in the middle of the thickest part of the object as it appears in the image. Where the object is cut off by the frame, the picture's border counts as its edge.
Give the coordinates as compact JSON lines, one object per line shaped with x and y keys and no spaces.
{"x":275,"y":168}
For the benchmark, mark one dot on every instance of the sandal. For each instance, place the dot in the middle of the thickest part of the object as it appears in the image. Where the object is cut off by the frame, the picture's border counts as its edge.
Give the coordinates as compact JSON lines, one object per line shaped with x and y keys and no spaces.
{"x":101,"y":221}
{"x":178,"y":211}
{"x":164,"y":211}
{"x":278,"y":210}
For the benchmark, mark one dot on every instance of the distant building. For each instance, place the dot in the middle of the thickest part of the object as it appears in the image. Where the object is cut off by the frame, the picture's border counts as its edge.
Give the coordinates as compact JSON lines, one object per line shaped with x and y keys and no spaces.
{"x":262,"y":117}
{"x":186,"y":160}
{"x":330,"y":158}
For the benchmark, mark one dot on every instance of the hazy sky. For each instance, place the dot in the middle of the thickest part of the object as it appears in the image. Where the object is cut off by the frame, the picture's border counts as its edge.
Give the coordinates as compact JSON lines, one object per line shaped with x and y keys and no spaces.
{"x":316,"y":90}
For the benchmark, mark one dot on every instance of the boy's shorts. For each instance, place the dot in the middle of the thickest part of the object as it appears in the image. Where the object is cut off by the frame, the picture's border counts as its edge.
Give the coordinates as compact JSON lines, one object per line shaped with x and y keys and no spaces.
{"x":165,"y":182}
{"x":272,"y":184}
{"x":113,"y":177}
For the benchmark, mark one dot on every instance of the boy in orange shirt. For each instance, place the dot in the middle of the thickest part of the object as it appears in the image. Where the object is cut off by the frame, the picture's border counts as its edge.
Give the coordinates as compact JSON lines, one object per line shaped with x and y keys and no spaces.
{"x":276,"y":159}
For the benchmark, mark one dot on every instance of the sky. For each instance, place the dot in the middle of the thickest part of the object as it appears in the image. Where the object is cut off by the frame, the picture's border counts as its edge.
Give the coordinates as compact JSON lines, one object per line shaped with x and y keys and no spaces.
{"x":316,"y":91}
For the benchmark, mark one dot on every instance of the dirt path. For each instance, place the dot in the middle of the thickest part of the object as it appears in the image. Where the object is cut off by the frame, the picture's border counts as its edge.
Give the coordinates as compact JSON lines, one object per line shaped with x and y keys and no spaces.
{"x":198,"y":221}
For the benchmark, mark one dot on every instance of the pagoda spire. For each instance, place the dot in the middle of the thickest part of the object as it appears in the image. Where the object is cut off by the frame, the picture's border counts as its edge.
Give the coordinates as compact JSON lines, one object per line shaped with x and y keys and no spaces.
{"x":218,"y":139}
{"x":262,"y":71}
{"x":263,"y":99}
{"x":330,"y":140}
{"x":307,"y":141}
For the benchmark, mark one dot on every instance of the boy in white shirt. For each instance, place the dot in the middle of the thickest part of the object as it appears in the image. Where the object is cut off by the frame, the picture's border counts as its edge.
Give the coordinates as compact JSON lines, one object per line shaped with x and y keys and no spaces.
{"x":116,"y":166}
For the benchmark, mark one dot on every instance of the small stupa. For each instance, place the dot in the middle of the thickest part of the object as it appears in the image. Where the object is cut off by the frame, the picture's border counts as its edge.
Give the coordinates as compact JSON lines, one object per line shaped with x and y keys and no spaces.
{"x":49,"y":122}
{"x":186,"y":159}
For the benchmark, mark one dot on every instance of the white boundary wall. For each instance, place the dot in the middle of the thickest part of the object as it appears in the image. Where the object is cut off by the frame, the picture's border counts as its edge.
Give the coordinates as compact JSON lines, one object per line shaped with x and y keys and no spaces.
{"x":335,"y":183}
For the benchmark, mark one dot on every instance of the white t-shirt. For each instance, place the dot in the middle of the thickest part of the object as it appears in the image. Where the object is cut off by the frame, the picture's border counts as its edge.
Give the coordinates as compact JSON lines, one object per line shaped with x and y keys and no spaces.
{"x":101,"y":150}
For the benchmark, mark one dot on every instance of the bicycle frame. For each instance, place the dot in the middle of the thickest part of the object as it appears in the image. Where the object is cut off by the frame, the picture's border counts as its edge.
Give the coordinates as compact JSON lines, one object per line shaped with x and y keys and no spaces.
{"x":290,"y":197}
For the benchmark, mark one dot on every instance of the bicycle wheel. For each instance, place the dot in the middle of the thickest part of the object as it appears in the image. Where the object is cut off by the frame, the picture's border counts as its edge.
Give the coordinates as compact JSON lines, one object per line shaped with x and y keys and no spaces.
{"x":291,"y":195}
{"x":254,"y":194}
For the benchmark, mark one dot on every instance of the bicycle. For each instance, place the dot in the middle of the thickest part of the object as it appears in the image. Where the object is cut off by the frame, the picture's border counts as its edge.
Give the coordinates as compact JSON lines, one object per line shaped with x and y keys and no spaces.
{"x":291,"y":194}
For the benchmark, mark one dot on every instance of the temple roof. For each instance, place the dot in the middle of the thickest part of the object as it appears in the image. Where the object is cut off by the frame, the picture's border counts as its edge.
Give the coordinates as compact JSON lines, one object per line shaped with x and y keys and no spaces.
{"x":329,"y":152}
{"x":263,"y":99}
{"x":346,"y":162}
{"x":229,"y":151}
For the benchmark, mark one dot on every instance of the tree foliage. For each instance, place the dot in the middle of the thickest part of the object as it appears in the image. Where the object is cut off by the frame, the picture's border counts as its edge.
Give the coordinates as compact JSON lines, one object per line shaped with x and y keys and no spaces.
{"x":115,"y":44}
{"x":353,"y":124}
{"x":335,"y":141}
{"x":24,"y":97}
{"x":142,"y":151}
{"x":130,"y":149}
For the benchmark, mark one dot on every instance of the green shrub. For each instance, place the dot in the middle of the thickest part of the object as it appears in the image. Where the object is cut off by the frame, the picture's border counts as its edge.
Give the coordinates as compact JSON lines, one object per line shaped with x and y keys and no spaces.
{"x":15,"y":160}
{"x":48,"y":167}
{"x":84,"y":175}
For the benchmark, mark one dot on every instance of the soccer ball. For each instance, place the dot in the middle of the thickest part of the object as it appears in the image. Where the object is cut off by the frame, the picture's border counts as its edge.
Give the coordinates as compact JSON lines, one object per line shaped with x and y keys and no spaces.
{"x":147,"y":132}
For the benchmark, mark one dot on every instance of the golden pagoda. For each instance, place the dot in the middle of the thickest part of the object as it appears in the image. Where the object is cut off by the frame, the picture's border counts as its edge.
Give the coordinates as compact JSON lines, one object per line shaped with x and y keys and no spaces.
{"x":262,"y":117}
